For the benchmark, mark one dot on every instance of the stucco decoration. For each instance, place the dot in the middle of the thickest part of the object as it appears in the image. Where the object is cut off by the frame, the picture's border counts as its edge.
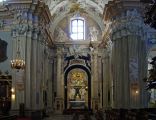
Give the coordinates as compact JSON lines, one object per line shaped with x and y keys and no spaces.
{"x":61,"y":35}
{"x":130,"y":24}
{"x":77,"y":51}
{"x":20,"y":27}
{"x":60,"y":9}
{"x":93,"y":34}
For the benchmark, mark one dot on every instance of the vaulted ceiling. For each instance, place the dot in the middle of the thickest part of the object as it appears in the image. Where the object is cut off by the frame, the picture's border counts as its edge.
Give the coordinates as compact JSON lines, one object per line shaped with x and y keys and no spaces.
{"x":61,"y":8}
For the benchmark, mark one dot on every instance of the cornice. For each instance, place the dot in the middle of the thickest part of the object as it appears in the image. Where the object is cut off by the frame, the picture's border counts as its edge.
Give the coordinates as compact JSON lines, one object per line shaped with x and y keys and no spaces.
{"x":49,"y":38}
{"x":18,"y":4}
{"x":38,"y":8}
{"x":18,"y":1}
{"x":43,"y":11}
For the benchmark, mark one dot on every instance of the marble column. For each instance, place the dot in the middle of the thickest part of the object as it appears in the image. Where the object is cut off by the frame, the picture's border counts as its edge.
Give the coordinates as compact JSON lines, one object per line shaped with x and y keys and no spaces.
{"x":28,"y":46}
{"x":34,"y":80}
{"x":106,"y":81}
{"x":19,"y":35}
{"x":59,"y":59}
{"x":15,"y":102}
{"x":128,"y":56}
{"x":49,"y":83}
{"x":59,"y":92}
{"x":94,"y":80}
{"x":100,"y":80}
{"x":39,"y":73}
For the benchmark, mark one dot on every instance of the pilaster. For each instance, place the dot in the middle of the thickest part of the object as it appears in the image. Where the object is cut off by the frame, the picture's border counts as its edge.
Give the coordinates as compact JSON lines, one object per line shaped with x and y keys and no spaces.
{"x":106,"y":80}
{"x":60,"y":81}
{"x":19,"y":39}
{"x":34,"y":81}
{"x":30,"y":25}
{"x":59,"y":61}
{"x":94,"y":79}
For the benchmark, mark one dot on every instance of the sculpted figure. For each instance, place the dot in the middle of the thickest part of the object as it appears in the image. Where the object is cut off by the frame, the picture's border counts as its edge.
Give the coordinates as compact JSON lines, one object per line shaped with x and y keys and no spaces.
{"x":93,"y":33}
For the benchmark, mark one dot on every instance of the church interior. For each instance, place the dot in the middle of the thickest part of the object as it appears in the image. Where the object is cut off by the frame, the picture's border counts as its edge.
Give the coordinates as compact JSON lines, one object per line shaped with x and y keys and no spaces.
{"x":66,"y":56}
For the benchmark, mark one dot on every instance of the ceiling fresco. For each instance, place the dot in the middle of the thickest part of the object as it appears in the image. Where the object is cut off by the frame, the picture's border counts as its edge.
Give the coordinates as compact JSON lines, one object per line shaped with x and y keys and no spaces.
{"x":61,"y":8}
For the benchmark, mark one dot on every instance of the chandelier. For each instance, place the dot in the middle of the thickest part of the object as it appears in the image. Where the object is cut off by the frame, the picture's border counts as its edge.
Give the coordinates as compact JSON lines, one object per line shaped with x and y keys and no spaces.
{"x":18,"y":63}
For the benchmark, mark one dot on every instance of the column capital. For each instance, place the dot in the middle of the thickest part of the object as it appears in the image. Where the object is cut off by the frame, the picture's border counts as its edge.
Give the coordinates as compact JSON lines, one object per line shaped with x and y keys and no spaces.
{"x":117,"y":8}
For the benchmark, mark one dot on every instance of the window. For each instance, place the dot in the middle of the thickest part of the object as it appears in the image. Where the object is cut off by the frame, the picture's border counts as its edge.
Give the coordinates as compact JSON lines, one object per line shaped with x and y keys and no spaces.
{"x":2,"y":0}
{"x":77,"y":29}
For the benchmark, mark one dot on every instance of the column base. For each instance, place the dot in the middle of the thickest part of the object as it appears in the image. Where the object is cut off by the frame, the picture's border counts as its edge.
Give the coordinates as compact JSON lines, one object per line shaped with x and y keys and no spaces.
{"x":95,"y":104}
{"x":59,"y":105}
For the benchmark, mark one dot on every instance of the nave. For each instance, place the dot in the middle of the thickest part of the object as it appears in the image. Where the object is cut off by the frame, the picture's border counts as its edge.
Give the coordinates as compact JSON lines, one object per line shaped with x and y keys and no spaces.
{"x":112,"y":114}
{"x":65,"y":55}
{"x":68,"y":117}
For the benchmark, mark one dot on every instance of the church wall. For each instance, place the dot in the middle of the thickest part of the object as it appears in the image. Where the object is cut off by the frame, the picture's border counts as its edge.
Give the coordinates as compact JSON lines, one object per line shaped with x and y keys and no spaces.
{"x":116,"y":71}
{"x":33,"y":84}
{"x":65,"y":26}
{"x":5,"y":65}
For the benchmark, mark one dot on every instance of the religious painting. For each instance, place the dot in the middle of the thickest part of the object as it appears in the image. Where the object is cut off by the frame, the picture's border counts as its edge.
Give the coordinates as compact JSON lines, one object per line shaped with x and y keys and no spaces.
{"x":3,"y":50}
{"x":77,"y":94}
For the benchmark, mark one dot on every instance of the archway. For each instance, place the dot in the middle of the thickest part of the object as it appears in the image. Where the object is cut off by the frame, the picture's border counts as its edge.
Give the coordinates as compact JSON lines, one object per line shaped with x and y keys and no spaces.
{"x":77,"y":87}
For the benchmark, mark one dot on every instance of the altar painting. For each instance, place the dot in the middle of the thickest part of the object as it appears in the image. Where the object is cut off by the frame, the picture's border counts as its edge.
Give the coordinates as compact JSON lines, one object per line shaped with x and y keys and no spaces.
{"x":77,"y":92}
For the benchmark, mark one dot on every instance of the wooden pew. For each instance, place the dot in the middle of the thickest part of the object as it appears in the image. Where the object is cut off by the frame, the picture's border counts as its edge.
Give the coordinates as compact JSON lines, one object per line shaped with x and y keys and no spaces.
{"x":10,"y":117}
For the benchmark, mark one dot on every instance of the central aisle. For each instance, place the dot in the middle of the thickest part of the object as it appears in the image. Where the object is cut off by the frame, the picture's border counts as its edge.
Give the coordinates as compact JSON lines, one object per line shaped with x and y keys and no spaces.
{"x":65,"y":117}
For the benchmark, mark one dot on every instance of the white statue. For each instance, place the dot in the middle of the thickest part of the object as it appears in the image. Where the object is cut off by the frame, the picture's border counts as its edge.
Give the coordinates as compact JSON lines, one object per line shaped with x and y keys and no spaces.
{"x":93,"y":33}
{"x":82,"y":93}
{"x":72,"y":93}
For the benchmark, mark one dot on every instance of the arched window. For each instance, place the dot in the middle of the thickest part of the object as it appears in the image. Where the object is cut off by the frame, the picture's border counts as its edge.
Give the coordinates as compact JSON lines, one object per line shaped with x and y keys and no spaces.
{"x":77,"y":29}
{"x":2,"y":0}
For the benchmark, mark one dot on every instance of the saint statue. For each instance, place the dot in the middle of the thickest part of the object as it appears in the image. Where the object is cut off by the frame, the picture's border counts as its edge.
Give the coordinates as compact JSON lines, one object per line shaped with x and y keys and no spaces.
{"x":82,"y":93}
{"x":93,"y":34}
{"x":72,"y":93}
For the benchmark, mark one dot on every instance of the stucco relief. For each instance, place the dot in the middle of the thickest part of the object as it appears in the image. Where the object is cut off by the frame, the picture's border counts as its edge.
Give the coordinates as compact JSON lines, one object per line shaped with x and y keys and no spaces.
{"x":129,"y":24}
{"x":61,"y":35}
{"x":78,"y":51}
{"x":20,"y":27}
{"x":93,"y":34}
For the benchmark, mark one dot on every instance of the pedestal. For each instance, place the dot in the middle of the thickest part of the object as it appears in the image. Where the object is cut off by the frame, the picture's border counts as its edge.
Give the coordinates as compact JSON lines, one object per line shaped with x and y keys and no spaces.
{"x":59,"y":105}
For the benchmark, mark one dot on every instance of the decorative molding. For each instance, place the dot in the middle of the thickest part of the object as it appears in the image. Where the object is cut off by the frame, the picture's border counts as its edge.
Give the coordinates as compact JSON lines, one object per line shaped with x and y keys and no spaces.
{"x":118,"y":7}
{"x":22,"y":12}
{"x":131,"y":23}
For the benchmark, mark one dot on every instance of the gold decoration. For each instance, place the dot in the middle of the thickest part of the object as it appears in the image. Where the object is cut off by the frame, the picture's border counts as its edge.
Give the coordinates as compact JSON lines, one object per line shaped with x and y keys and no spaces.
{"x":18,"y":63}
{"x":75,"y":7}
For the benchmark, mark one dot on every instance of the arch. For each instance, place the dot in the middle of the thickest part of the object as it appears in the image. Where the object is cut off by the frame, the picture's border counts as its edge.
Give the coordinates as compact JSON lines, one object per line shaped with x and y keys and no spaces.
{"x":89,"y":83}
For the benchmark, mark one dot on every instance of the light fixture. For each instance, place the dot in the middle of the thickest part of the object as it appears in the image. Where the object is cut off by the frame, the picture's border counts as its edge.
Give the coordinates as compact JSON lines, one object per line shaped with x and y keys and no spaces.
{"x":18,"y":63}
{"x":136,"y":91}
{"x":13,"y":94}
